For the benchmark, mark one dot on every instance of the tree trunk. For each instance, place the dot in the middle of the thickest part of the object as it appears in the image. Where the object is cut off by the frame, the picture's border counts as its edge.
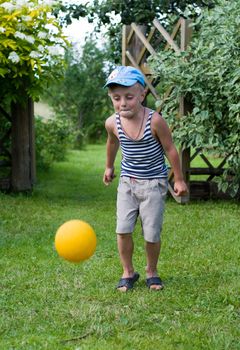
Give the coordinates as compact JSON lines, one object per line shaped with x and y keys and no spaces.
{"x":23,"y":147}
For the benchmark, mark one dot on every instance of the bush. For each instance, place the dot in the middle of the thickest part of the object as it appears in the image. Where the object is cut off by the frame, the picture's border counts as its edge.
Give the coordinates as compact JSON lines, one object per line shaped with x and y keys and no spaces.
{"x":31,"y":48}
{"x":53,"y":138}
{"x":207,"y":75}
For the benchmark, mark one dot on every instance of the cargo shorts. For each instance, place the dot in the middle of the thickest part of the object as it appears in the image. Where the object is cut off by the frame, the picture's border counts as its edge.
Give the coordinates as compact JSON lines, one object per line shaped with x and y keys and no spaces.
{"x":144,"y":199}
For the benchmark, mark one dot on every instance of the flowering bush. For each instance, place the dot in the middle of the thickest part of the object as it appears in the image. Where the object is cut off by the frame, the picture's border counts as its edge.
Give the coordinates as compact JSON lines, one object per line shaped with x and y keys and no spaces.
{"x":31,"y":47}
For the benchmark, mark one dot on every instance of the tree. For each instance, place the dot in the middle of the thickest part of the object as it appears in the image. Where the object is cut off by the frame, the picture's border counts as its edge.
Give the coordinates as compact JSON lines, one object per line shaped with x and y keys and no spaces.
{"x":112,"y":14}
{"x":208,"y":75}
{"x":80,"y":96}
{"x":31,"y":47}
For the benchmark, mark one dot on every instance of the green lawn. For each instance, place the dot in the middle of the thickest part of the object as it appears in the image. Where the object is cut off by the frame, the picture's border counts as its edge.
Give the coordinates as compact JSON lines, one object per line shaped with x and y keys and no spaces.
{"x":48,"y":303}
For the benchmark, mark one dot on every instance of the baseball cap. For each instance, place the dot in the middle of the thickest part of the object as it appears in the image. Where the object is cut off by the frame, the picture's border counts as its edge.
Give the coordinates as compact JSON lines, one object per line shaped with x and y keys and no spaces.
{"x":126,"y":76}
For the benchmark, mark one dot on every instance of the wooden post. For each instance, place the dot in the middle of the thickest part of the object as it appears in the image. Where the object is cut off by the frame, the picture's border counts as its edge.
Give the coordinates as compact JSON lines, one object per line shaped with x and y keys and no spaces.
{"x":125,"y":32}
{"x":184,"y":107}
{"x":23,"y":152}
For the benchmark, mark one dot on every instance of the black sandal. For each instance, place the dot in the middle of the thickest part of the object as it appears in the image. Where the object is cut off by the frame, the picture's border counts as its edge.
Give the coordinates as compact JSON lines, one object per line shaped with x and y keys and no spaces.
{"x":154,"y":280}
{"x":128,"y":282}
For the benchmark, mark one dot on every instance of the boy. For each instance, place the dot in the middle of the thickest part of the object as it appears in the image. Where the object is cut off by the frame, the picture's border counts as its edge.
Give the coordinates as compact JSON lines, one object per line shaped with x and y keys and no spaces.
{"x":144,"y":138}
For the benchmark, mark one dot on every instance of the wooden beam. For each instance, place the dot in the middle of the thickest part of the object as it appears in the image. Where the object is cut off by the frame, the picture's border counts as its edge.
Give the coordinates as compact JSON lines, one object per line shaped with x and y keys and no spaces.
{"x":130,"y":33}
{"x":206,"y":160}
{"x":185,"y":166}
{"x":165,"y":96}
{"x":206,"y":171}
{"x":124,"y":44}
{"x":180,"y":200}
{"x":143,"y":39}
{"x":195,"y":154}
{"x":220,"y":166}
{"x":166,"y":36}
{"x":149,"y":37}
{"x":186,"y":33}
{"x":174,"y":33}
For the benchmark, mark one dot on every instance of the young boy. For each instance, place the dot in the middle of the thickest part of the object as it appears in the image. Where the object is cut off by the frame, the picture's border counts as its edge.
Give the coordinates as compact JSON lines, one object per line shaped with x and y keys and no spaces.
{"x":144,"y":139}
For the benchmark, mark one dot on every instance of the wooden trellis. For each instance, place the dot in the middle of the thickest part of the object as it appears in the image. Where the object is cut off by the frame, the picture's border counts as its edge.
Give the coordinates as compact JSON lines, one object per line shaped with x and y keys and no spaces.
{"x":137,"y":45}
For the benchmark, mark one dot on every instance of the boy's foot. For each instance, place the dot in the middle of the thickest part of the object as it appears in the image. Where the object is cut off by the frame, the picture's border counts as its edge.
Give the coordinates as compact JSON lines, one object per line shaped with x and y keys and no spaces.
{"x":126,"y":284}
{"x":154,"y":283}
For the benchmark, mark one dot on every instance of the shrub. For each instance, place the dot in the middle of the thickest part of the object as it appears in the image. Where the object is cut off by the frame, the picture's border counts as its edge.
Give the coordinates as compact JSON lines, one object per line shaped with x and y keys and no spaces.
{"x":208,"y":75}
{"x":31,"y":48}
{"x":53,"y":138}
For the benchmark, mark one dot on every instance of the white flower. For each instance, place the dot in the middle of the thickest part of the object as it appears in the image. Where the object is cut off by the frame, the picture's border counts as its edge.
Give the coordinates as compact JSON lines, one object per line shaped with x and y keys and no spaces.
{"x":40,"y":48}
{"x":26,"y":18}
{"x":42,"y":35}
{"x":34,"y":54}
{"x":48,"y":2}
{"x":8,"y":6}
{"x":30,"y":39}
{"x":58,"y":41}
{"x":22,"y":3}
{"x":13,"y":56}
{"x":2,"y":30}
{"x":54,"y":50}
{"x":20,"y":35}
{"x":51,"y":28}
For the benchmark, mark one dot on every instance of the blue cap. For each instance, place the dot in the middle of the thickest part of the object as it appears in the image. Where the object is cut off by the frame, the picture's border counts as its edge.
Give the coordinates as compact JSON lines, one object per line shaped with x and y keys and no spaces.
{"x":126,"y":76}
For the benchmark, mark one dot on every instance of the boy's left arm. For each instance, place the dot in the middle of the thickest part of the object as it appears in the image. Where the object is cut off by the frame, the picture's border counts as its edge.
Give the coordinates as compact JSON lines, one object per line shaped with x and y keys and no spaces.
{"x":163,"y":134}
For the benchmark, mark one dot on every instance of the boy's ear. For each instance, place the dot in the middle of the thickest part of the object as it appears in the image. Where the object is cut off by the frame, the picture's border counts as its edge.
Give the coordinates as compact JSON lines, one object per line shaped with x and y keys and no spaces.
{"x":143,"y":94}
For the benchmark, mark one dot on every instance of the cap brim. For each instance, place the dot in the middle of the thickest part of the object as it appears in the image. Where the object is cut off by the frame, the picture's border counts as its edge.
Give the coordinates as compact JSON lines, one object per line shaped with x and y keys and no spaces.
{"x":122,"y":82}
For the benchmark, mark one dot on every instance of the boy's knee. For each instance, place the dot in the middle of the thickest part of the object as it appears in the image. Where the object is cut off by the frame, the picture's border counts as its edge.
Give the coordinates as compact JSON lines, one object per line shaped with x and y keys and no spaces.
{"x":124,"y":235}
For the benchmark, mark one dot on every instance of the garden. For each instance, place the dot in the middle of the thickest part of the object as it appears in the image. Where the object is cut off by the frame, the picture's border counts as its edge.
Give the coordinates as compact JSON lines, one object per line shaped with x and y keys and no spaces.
{"x":47,"y":302}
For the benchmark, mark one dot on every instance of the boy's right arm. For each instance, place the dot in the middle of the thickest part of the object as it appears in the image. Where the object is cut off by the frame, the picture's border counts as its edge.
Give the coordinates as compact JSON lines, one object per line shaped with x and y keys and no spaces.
{"x":111,"y":148}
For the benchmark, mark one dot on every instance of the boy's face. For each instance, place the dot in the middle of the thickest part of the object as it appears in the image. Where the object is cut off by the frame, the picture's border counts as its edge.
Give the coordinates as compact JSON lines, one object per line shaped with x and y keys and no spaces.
{"x":127,"y":100}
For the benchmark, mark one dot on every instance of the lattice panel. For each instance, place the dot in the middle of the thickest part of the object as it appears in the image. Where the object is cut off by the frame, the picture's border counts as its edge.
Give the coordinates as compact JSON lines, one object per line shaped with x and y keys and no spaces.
{"x":137,"y":45}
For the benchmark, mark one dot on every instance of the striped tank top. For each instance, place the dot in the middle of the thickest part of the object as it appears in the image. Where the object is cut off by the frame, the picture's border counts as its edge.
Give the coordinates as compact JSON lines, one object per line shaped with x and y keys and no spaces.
{"x":143,"y":158}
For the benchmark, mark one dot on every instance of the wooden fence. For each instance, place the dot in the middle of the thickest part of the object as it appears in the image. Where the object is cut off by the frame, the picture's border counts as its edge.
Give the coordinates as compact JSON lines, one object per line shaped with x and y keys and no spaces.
{"x":137,"y":44}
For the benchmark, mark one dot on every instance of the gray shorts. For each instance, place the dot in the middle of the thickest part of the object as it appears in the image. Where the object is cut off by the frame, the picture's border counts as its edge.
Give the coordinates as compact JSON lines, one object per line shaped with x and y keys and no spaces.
{"x":143,"y":198}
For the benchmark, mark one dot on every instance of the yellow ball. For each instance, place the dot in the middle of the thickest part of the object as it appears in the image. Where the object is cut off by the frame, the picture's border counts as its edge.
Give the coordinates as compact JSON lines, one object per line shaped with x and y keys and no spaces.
{"x":75,"y":241}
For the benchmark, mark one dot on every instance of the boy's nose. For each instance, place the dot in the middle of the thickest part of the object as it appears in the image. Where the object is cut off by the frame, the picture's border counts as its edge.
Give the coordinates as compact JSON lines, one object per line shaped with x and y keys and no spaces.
{"x":123,"y":102}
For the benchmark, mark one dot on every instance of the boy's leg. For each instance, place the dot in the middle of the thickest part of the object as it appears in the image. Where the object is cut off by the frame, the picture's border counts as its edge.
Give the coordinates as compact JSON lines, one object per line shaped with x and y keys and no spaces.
{"x":127,"y":212}
{"x":152,"y":253}
{"x":151,"y":213}
{"x":125,"y":249}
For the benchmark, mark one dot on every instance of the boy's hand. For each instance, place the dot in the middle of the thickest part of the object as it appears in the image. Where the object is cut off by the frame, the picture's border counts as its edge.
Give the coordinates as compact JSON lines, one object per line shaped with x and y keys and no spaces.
{"x":180,"y":188}
{"x":108,"y":176}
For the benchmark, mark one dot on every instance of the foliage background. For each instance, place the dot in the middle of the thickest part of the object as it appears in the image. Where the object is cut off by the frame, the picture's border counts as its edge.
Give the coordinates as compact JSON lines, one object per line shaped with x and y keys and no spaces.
{"x":208,"y":76}
{"x":53,"y":138}
{"x":111,"y":15}
{"x":80,"y":96}
{"x":31,"y":47}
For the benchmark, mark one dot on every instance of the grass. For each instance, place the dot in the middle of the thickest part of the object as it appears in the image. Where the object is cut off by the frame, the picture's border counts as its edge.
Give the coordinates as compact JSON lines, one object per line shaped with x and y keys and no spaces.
{"x":48,"y":303}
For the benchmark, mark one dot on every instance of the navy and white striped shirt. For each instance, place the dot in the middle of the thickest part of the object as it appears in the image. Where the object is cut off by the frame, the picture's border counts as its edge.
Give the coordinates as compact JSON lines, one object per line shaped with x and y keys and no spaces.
{"x":144,"y":158}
